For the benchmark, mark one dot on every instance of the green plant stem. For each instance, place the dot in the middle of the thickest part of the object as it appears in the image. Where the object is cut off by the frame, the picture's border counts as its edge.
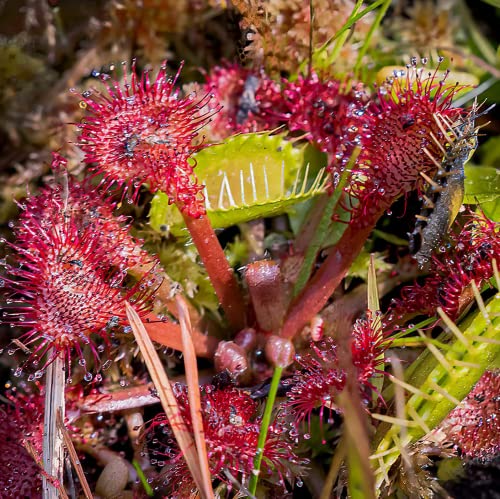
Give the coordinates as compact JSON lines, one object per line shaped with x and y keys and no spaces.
{"x":220,"y":273}
{"x":264,"y":428}
{"x":140,"y":474}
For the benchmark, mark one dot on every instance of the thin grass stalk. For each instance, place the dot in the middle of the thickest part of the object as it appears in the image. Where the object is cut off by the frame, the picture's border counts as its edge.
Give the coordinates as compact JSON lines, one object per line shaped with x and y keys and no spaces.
{"x":166,"y":394}
{"x":53,"y":443}
{"x":193,"y":385}
{"x":374,"y":26}
{"x":264,"y":428}
{"x":374,"y":307}
{"x":333,"y":472}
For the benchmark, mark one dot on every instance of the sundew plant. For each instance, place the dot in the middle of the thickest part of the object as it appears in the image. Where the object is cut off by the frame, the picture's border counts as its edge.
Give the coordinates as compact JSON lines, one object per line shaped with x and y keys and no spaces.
{"x":249,"y":249}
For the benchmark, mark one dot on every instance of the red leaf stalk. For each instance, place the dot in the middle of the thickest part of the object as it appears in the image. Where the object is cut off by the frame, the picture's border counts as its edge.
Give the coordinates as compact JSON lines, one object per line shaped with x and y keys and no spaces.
{"x":221,"y":274}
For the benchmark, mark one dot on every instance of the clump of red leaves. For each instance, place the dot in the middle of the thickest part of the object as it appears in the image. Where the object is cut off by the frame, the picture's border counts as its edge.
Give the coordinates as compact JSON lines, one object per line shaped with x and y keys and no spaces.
{"x":248,"y":99}
{"x":397,"y":134}
{"x":467,"y":257}
{"x":329,"y":112}
{"x":143,"y":132}
{"x":231,"y":425}
{"x":21,"y":421}
{"x":65,"y":282}
{"x":474,"y":426}
{"x":320,"y":378}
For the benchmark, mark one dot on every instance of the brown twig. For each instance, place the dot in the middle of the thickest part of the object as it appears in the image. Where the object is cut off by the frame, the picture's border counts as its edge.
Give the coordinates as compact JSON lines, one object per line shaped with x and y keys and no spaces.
{"x":53,"y":448}
{"x":77,"y":465}
{"x":166,"y":395}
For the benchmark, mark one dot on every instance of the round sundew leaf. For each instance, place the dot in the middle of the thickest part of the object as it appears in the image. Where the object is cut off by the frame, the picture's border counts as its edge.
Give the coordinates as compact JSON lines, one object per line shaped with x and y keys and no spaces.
{"x":482,"y":185}
{"x":247,"y":177}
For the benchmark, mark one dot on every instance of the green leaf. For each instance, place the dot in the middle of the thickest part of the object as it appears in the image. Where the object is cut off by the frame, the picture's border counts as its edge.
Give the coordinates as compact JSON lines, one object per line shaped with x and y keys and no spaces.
{"x":482,"y":185}
{"x":247,"y":177}
{"x":490,"y":152}
{"x":359,"y":267}
{"x":181,"y":264}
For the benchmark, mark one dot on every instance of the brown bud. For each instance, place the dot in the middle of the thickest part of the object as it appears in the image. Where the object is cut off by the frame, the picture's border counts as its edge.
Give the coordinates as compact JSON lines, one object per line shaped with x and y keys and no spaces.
{"x":232,"y":357}
{"x":246,"y":339}
{"x":267,"y":292}
{"x":280,"y":352}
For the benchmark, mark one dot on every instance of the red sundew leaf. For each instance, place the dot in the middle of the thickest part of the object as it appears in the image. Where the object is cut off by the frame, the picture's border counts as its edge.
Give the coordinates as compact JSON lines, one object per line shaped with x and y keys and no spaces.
{"x":142,"y":131}
{"x":401,"y":138}
{"x":320,"y":379}
{"x":19,"y":472}
{"x":231,"y":428}
{"x":474,"y":426}
{"x":66,"y":197}
{"x":65,"y":282}
{"x":249,"y":100}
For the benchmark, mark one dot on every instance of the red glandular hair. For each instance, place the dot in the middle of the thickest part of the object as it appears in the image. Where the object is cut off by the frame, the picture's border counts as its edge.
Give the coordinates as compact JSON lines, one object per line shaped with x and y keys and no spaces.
{"x":249,"y":100}
{"x":474,"y":426}
{"x":142,"y":132}
{"x":65,"y":279}
{"x":329,"y":112}
{"x":231,"y":427}
{"x":21,"y":420}
{"x":66,"y":198}
{"x":320,"y":378}
{"x":468,"y":256}
{"x":397,"y":130}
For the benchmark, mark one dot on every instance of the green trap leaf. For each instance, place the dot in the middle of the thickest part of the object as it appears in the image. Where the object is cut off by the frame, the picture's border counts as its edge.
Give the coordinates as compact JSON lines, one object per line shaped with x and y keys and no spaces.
{"x":247,"y":177}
